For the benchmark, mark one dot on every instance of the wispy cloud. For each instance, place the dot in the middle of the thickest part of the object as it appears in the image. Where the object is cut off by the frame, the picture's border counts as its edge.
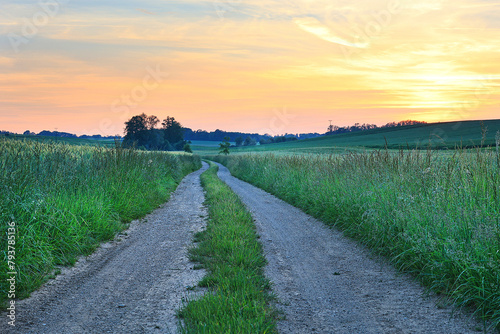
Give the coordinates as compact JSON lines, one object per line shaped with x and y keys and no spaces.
{"x":318,"y":29}
{"x":145,"y":11}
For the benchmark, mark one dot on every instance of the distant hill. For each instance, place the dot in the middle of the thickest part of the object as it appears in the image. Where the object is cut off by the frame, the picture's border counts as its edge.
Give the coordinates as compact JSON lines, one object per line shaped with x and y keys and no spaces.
{"x":392,"y":135}
{"x":56,"y":134}
{"x":447,"y":135}
{"x":47,"y":133}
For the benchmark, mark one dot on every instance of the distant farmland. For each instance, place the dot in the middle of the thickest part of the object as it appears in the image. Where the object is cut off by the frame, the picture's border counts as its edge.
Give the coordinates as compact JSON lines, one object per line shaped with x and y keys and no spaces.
{"x":449,"y":135}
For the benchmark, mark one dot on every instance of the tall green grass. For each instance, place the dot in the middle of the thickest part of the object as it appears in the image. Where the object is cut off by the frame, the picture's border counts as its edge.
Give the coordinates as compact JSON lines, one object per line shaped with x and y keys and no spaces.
{"x":66,"y":199}
{"x":436,"y":216}
{"x":238,"y":297}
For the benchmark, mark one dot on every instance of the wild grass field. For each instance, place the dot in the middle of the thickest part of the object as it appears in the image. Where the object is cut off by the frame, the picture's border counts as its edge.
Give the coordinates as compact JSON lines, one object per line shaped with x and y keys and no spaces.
{"x":101,"y":142}
{"x":434,"y":215}
{"x":65,"y":200}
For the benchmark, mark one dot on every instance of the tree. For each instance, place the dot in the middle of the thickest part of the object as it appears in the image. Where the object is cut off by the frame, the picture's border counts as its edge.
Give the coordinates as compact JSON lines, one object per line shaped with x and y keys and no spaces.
{"x":172,"y":130}
{"x":187,"y":148}
{"x":151,"y":122}
{"x":332,"y":128}
{"x":142,"y":130}
{"x":239,"y":141}
{"x":136,"y":130}
{"x":224,"y":146}
{"x":249,"y":141}
{"x":155,"y":140}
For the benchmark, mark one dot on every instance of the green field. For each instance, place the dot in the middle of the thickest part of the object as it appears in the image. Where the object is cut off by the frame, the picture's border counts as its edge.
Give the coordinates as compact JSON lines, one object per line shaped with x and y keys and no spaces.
{"x":450,"y":135}
{"x":205,"y":146}
{"x":65,"y":199}
{"x":66,"y":140}
{"x":206,"y":143}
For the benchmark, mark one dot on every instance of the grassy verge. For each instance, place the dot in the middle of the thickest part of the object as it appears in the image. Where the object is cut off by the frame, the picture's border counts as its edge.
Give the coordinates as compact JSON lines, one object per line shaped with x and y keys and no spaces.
{"x":238,"y":297}
{"x":436,"y":216}
{"x":64,"y":200}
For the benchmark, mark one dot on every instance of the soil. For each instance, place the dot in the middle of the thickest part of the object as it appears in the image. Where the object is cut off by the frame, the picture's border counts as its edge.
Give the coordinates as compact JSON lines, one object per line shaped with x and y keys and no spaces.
{"x":134,"y":284}
{"x":327,"y":283}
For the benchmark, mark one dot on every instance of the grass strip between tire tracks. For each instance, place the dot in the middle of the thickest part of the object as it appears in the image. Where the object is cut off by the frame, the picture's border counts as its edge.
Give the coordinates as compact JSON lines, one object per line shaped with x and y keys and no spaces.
{"x":238,"y":297}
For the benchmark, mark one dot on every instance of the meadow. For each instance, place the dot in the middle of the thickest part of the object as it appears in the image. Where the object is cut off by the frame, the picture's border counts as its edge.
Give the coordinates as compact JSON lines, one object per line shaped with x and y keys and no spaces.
{"x":434,"y":215}
{"x":66,"y":199}
{"x":442,"y":136}
{"x":101,"y":142}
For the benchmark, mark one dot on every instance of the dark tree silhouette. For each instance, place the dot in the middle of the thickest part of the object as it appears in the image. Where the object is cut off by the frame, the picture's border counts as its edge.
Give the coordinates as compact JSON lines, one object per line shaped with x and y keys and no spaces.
{"x":239,"y":141}
{"x":249,"y":141}
{"x":187,"y":148}
{"x":136,"y":130}
{"x":141,"y":131}
{"x":151,"y":122}
{"x":173,"y":132}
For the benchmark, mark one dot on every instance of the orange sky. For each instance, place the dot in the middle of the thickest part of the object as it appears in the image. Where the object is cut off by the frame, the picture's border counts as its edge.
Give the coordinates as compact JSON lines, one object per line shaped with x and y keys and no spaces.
{"x":254,"y":66}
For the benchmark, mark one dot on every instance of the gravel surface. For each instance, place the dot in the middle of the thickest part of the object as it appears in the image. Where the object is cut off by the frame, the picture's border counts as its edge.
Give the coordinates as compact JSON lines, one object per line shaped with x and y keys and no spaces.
{"x":327,"y":283}
{"x":134,"y":284}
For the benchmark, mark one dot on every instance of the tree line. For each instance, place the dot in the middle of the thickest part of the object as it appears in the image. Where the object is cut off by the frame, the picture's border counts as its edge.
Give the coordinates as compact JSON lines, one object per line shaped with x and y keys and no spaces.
{"x":334,"y":129}
{"x":148,"y":132}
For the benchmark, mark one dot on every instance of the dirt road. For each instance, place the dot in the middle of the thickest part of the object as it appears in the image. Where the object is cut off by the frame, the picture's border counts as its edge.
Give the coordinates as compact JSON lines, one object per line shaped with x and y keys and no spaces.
{"x":326,"y":283}
{"x":130,"y":286}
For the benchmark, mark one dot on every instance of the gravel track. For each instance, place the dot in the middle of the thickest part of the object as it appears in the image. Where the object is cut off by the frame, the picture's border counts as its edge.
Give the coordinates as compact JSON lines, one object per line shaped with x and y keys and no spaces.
{"x":327,"y":283}
{"x":134,"y":284}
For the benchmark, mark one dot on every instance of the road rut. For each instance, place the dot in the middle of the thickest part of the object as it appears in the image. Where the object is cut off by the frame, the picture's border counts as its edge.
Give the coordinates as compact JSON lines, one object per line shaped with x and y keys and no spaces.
{"x":326,"y":283}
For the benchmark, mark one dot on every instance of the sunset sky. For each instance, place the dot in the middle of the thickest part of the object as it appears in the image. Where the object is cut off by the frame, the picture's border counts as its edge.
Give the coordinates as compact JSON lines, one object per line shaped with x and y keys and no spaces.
{"x":86,"y":67}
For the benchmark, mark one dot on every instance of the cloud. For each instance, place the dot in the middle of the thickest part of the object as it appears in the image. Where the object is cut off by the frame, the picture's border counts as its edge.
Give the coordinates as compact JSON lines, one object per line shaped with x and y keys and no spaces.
{"x":145,"y":11}
{"x":316,"y":28}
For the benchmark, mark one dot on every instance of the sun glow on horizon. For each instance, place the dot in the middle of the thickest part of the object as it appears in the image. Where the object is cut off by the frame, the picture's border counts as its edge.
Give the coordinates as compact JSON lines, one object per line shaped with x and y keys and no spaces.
{"x":231,"y":65}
